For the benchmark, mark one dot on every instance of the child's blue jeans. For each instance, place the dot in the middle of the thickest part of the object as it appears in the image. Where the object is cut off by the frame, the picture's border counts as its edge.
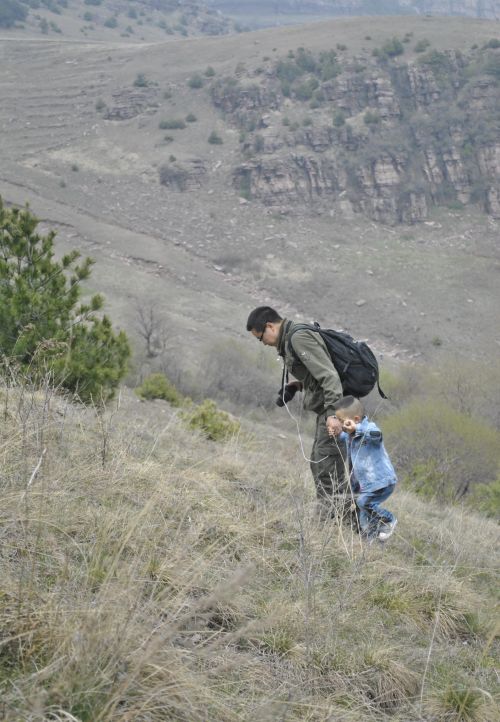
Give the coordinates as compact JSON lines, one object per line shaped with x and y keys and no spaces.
{"x":371,"y":514}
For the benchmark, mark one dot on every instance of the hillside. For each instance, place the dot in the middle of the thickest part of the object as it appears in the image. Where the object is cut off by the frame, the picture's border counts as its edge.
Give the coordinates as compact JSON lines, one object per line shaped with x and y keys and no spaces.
{"x":87,"y":130}
{"x":262,"y":13}
{"x":108,"y":20}
{"x":150,"y":574}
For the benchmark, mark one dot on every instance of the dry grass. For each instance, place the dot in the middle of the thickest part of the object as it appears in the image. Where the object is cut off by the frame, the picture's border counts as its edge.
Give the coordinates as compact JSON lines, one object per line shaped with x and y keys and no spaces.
{"x":149,"y":574}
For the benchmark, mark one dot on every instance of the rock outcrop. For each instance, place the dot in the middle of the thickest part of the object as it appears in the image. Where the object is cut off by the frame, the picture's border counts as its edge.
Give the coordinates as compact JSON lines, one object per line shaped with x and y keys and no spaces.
{"x":388,"y":137}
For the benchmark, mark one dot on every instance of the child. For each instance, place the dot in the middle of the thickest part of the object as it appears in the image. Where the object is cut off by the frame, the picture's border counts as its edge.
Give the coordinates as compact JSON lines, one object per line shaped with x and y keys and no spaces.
{"x":371,"y":468}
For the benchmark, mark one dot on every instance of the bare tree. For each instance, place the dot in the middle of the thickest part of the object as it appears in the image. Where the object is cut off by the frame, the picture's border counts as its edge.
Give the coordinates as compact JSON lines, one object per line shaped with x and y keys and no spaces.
{"x":151,"y":328}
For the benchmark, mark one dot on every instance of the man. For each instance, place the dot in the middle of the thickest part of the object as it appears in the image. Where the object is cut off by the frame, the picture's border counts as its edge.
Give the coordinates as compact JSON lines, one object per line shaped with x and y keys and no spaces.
{"x":315,"y":374}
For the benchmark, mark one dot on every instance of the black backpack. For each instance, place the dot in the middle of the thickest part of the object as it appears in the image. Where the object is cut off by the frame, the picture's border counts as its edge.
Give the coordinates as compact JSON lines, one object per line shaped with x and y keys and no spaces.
{"x":354,"y":361}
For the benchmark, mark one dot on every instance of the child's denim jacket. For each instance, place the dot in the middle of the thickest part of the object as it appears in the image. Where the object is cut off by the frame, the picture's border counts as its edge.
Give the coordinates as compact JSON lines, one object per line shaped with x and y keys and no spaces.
{"x":371,"y":466}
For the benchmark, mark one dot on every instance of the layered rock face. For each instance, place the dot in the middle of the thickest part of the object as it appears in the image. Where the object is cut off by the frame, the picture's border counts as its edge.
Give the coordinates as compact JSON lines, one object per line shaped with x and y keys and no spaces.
{"x":382,"y":137}
{"x":489,"y":9}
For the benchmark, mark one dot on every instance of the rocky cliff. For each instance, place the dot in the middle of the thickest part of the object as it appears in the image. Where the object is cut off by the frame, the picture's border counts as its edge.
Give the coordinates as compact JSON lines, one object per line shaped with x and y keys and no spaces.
{"x":489,"y":9}
{"x":373,"y":134}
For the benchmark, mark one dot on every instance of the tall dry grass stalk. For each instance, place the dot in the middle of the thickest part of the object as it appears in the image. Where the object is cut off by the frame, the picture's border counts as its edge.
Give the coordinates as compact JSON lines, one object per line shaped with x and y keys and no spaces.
{"x":149,"y":574}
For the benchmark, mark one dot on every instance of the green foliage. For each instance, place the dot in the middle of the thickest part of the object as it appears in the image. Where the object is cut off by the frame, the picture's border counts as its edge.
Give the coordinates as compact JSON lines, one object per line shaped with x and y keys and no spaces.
{"x":11,"y":12}
{"x":422,"y":45}
{"x":43,"y":326}
{"x":393,"y":47}
{"x":486,"y":498}
{"x":196,"y":81}
{"x":158,"y":386}
{"x":209,"y":72}
{"x":111,"y":22}
{"x":338,"y":119}
{"x":371,"y":118}
{"x":214,"y":423}
{"x":191,"y":118}
{"x":172,"y":124}
{"x":492,"y":65}
{"x":140,"y":81}
{"x":215,"y":139}
{"x":442,"y":452}
{"x":174,"y":176}
{"x":493,"y":43}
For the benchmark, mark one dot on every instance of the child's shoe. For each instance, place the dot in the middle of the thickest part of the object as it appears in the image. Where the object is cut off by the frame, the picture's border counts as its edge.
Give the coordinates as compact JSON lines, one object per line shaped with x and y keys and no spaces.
{"x":387,"y":530}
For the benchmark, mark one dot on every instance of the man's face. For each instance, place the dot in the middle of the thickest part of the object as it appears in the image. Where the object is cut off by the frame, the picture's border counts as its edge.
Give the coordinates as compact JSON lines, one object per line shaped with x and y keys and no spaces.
{"x":269,"y":335}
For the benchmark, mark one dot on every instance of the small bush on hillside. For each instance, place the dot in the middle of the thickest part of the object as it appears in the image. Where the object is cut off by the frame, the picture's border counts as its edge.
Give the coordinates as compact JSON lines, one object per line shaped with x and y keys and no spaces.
{"x":486,"y":498}
{"x":393,"y":47}
{"x":338,"y":119}
{"x":422,"y":46}
{"x":214,"y":423}
{"x":157,"y":386}
{"x":191,"y":118}
{"x":215,"y":139}
{"x":111,"y":22}
{"x":196,"y":81}
{"x":174,"y":176}
{"x":209,"y":72}
{"x":140,"y":81}
{"x":371,"y":118}
{"x":172,"y":124}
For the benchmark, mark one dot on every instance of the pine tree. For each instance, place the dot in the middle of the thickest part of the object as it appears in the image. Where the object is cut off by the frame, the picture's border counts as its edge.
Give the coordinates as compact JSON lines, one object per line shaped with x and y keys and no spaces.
{"x":44,"y":327}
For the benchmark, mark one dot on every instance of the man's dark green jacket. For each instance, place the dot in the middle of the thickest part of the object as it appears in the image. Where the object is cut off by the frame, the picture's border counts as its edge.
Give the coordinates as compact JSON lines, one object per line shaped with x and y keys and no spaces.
{"x":313,"y":366}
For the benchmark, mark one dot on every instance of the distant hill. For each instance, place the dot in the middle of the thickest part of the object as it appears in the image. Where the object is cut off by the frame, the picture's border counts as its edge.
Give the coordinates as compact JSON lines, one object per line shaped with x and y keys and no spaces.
{"x":107,"y":19}
{"x":259,"y":13}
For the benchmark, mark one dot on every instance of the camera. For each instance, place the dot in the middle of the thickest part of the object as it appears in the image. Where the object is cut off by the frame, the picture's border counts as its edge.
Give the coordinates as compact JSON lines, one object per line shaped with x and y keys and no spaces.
{"x":286,"y":395}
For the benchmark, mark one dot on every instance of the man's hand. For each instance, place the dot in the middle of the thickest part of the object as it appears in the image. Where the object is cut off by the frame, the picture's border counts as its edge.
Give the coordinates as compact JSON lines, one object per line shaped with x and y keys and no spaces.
{"x":333,"y":426}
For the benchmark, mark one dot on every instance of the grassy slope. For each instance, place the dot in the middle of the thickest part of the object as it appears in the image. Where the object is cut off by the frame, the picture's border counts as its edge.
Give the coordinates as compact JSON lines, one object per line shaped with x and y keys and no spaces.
{"x":149,"y":574}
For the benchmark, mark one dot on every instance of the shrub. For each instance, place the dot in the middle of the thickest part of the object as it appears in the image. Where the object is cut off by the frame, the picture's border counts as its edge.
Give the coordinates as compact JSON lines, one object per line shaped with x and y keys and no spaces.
{"x":157,"y":386}
{"x":422,"y":46}
{"x":443,"y":453}
{"x":43,"y":326}
{"x":215,"y":139}
{"x":493,"y":43}
{"x":111,"y":22}
{"x":338,"y":119}
{"x":486,"y":498}
{"x":196,"y":81}
{"x":191,"y":118}
{"x":371,"y":118}
{"x":100,"y":105}
{"x":140,"y":81}
{"x":214,"y":423}
{"x":209,"y":72}
{"x":172,"y":124}
{"x":393,"y":47}
{"x":174,"y":175}
{"x":11,"y":12}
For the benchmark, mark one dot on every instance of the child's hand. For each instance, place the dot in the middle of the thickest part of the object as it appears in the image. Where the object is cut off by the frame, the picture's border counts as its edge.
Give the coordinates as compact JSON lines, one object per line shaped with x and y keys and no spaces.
{"x":349,"y":425}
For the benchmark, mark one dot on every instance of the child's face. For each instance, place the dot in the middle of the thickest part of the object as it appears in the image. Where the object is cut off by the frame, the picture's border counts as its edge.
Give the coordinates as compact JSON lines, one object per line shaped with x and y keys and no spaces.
{"x":347,"y":420}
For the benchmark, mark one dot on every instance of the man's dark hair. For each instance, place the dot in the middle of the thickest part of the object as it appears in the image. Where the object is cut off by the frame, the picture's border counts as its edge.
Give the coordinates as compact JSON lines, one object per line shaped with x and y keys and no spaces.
{"x":260,"y":316}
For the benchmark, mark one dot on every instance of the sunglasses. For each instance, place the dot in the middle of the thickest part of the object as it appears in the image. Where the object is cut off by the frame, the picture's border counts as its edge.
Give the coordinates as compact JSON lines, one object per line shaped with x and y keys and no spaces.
{"x":263,"y":332}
